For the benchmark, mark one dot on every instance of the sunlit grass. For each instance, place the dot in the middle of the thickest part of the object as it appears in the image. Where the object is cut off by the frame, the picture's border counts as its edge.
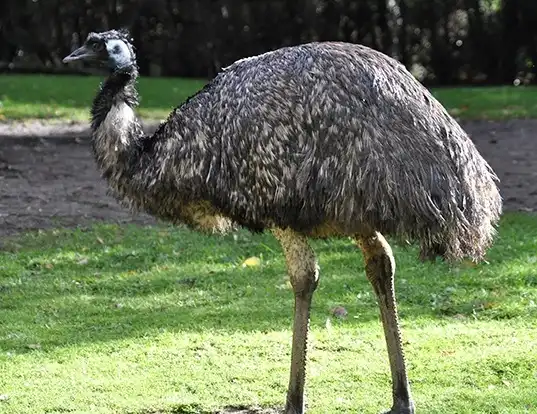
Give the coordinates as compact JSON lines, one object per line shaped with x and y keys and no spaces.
{"x":490,"y":103}
{"x":127,"y":319}
{"x":68,"y":98}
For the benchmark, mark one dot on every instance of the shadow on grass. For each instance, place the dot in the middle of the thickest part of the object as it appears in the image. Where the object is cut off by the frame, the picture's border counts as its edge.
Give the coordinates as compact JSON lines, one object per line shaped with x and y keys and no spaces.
{"x":115,"y":282}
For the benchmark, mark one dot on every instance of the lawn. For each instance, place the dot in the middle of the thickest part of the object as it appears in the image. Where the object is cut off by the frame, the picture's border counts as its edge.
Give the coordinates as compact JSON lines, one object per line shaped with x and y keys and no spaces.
{"x":147,"y":320}
{"x":68,"y":98}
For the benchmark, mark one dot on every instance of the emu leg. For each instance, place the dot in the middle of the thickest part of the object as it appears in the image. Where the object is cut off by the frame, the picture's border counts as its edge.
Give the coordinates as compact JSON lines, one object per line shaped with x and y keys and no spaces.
{"x":304,"y":274}
{"x":380,"y":270}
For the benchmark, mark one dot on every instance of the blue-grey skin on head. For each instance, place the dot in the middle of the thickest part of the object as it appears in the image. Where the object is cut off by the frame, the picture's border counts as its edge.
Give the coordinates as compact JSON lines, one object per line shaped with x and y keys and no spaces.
{"x":112,"y":49}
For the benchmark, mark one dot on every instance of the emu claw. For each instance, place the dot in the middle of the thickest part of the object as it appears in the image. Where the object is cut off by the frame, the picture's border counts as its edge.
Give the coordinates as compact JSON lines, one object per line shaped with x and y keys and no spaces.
{"x":406,"y":409}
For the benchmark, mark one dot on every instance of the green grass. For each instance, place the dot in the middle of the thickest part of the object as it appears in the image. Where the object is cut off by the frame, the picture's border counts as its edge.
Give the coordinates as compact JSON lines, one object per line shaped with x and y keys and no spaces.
{"x":127,"y":319}
{"x":490,"y":103}
{"x":24,"y":97}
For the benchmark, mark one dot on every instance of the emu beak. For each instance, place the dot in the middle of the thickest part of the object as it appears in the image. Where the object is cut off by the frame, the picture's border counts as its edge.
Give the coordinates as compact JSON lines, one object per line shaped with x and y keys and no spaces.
{"x":79,"y":54}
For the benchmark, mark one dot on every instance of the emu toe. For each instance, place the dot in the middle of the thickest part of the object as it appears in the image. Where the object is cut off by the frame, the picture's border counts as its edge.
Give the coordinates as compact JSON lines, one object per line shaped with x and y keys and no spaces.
{"x":289,"y":409}
{"x":403,"y":409}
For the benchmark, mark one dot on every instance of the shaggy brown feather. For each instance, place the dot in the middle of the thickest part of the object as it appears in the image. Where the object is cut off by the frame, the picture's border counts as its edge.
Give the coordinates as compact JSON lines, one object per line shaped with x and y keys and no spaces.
{"x":328,"y":139}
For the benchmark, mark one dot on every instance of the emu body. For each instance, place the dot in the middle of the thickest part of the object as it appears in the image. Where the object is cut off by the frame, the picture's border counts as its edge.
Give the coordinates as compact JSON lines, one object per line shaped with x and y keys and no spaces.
{"x":317,"y":140}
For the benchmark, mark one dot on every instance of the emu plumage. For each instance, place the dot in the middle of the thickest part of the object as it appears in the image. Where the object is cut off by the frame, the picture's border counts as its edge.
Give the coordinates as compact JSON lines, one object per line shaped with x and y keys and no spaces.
{"x":322,"y":139}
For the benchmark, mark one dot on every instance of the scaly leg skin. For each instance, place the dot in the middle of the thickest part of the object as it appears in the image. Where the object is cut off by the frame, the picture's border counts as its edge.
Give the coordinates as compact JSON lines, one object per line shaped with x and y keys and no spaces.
{"x":304,"y":275}
{"x":380,"y":270}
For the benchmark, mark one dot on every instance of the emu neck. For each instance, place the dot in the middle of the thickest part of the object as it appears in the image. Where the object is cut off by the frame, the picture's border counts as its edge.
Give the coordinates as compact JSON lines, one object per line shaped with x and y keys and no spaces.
{"x":115,"y":129}
{"x":118,"y":90}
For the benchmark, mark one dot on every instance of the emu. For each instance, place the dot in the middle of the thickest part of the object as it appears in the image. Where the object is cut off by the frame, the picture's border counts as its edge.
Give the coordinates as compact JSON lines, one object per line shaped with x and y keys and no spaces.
{"x":318,"y":140}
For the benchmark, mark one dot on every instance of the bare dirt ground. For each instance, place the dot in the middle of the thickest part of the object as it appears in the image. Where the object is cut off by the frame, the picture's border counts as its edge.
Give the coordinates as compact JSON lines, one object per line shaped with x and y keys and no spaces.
{"x":48,"y":177}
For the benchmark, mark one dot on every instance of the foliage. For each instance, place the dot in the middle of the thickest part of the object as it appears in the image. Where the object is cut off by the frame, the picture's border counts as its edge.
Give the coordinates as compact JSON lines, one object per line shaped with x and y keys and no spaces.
{"x":124,"y":319}
{"x":68,"y":98}
{"x":442,"y":41}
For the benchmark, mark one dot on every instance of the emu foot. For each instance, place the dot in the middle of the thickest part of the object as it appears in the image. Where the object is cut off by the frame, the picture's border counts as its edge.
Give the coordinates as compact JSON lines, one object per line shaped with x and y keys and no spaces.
{"x":403,"y":408}
{"x":294,"y":409}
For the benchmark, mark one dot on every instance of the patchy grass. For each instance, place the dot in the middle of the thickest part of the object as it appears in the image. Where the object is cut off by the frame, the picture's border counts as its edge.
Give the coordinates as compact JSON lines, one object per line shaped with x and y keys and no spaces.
{"x":24,"y":97}
{"x":124,"y":319}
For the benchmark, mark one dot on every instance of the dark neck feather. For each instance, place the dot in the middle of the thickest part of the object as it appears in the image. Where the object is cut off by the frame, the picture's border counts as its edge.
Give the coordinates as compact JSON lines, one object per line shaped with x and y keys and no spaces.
{"x":119,"y":87}
{"x":116,"y":133}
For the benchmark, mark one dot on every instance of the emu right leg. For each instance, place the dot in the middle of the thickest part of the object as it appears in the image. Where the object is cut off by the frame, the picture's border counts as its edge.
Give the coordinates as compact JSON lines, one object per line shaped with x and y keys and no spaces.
{"x":304,"y":274}
{"x":380,"y":270}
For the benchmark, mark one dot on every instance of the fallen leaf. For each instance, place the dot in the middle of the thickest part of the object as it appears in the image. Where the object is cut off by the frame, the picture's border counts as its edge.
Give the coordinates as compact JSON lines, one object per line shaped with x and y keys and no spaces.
{"x":101,"y":241}
{"x":83,"y":261}
{"x":252,"y":262}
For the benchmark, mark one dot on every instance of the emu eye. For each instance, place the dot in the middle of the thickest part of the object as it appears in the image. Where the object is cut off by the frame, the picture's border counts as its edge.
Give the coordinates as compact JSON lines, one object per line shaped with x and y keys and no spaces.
{"x":96,"y":46}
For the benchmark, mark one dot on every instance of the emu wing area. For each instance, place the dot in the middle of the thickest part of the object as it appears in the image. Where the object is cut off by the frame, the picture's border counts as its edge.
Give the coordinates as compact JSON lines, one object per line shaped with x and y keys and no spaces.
{"x":341,"y":138}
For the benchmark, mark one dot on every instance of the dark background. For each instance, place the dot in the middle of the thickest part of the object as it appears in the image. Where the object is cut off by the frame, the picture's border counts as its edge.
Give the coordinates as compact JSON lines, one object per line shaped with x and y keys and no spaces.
{"x":443,"y":42}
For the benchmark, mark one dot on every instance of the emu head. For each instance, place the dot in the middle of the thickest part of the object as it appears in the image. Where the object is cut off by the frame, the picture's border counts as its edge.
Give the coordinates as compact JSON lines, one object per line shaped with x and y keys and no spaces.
{"x":112,"y":49}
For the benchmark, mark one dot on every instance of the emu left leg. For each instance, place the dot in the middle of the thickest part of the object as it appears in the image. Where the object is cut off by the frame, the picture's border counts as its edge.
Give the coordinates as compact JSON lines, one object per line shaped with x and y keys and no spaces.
{"x":304,"y":274}
{"x":380,"y":270}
